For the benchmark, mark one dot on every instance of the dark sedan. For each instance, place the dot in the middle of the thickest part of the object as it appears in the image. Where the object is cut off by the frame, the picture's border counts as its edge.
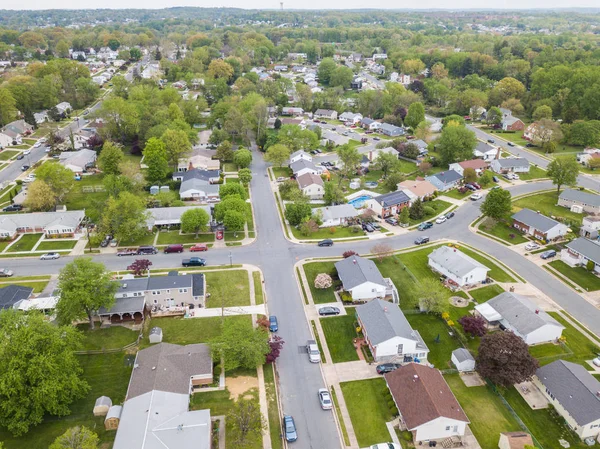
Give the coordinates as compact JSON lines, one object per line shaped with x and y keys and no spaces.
{"x":326,"y":311}
{"x":387,"y":367}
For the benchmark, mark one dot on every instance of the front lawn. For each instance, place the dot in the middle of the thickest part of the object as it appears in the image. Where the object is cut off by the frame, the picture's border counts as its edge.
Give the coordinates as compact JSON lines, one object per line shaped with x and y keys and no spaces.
{"x":144,"y":240}
{"x":37,"y":286}
{"x":8,"y":154}
{"x":325,"y":233}
{"x":339,"y":332}
{"x":546,"y":203}
{"x":227,"y":288}
{"x":502,"y":231}
{"x":280,"y":172}
{"x":229,"y":167}
{"x":484,"y":294}
{"x":547,"y":350}
{"x":535,"y":172}
{"x":258,"y":288}
{"x":25,"y":243}
{"x":173,"y":237}
{"x":454,"y":193}
{"x":367,"y":403}
{"x":438,"y":207}
{"x":432,"y":328}
{"x":496,"y":272}
{"x":53,"y":245}
{"x":582,"y":347}
{"x":272,"y":403}
{"x":579,"y":275}
{"x":107,"y":338}
{"x":311,"y":270}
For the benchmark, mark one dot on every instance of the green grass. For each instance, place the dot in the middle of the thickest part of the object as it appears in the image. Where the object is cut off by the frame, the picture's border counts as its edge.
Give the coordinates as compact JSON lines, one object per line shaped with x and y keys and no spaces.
{"x":7,"y":154}
{"x":233,"y":236}
{"x":583,"y":349}
{"x":107,"y":338}
{"x":503,"y":231}
{"x":484,"y":294}
{"x":454,"y":193}
{"x":37,"y":286}
{"x":339,"y":415}
{"x":56,"y":245}
{"x":546,"y":204}
{"x":228,"y":288}
{"x":367,"y":406}
{"x":25,"y":243}
{"x":272,"y":403}
{"x":547,"y":350}
{"x":496,"y":272}
{"x":431,"y":327}
{"x":579,"y":275}
{"x":438,"y":206}
{"x":29,"y":141}
{"x":285,"y":172}
{"x":311,"y":270}
{"x":146,"y":239}
{"x":258,"y":288}
{"x":488,"y":415}
{"x":3,"y":245}
{"x":535,"y":172}
{"x":174,"y":237}
{"x":325,"y":233}
{"x":339,"y":332}
{"x":229,"y":167}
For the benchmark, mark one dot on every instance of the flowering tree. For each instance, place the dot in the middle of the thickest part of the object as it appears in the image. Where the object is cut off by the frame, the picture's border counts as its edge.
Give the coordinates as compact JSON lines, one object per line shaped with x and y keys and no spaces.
{"x":323,"y":280}
{"x":276,"y":344}
{"x":139,"y":267}
{"x":473,"y":325}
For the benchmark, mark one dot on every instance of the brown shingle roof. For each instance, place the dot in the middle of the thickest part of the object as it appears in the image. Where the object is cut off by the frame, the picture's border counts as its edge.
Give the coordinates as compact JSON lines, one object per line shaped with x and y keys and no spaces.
{"x":517,"y":440}
{"x":308,"y":179}
{"x":422,"y":395}
{"x":475,"y":164}
{"x":418,"y":187}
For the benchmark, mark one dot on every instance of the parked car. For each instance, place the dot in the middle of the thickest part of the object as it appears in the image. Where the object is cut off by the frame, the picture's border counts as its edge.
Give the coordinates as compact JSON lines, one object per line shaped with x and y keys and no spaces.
{"x":515,"y":176}
{"x":449,"y":215}
{"x":441,"y":219}
{"x":199,"y":247}
{"x":127,"y":252}
{"x":477,"y":186}
{"x":510,"y":144}
{"x":385,"y":446}
{"x":326,"y":242}
{"x":325,"y":399}
{"x":495,"y":179}
{"x":424,"y":226}
{"x":491,"y":141}
{"x":273,"y":326}
{"x":147,"y":250}
{"x":376,"y":138}
{"x":548,"y":254}
{"x":289,"y":428}
{"x":37,"y":144}
{"x":532,"y":246}
{"x":367,"y":227}
{"x":476,"y":196}
{"x":392,"y":221}
{"x":387,"y":367}
{"x":471,"y":187}
{"x":13,"y":208}
{"x":193,"y":262}
{"x":26,"y":152}
{"x":49,"y":256}
{"x":313,"y":351}
{"x":596,"y":361}
{"x":19,"y":157}
{"x":529,"y":145}
{"x":5,"y":273}
{"x":25,"y":167}
{"x":327,"y":311}
{"x":376,"y":226}
{"x":421,"y":240}
{"x":177,"y":248}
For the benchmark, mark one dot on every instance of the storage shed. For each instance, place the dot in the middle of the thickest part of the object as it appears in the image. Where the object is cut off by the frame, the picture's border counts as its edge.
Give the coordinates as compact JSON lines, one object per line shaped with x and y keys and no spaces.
{"x":113,"y":417}
{"x":103,"y":403}
{"x":463,"y":360}
{"x":156,"y":335}
{"x":154,"y":190}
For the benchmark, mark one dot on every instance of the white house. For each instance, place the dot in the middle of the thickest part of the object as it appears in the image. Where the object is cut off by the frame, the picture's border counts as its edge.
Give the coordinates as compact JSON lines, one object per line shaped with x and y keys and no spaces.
{"x":588,"y":202}
{"x":169,"y":216}
{"x":351,"y":117}
{"x":40,"y":117}
{"x":573,"y":392}
{"x":580,"y":251}
{"x":389,"y":334}
{"x":292,"y":111}
{"x":427,"y":406}
{"x":64,"y":223}
{"x":334,"y":138}
{"x":361,"y":278}
{"x":300,"y":155}
{"x":311,"y":186}
{"x":326,"y":113}
{"x":370,"y":124}
{"x":301,"y":167}
{"x":510,"y":165}
{"x":485,"y":151}
{"x":78,"y":161}
{"x":538,"y":225}
{"x":64,"y":108}
{"x":463,"y":360}
{"x":198,"y":185}
{"x":5,"y":140}
{"x":519,"y":315}
{"x":457,"y":266}
{"x":335,"y":215}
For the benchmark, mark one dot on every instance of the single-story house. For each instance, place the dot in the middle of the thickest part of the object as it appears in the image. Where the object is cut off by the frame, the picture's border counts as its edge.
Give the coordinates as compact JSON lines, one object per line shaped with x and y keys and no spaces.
{"x":515,"y":440}
{"x":300,"y":155}
{"x":198,"y":185}
{"x":170,"y":216}
{"x":588,"y":154}
{"x":361,"y":278}
{"x":351,"y":117}
{"x":479,"y":165}
{"x":537,"y":225}
{"x":370,"y":124}
{"x":588,"y":202}
{"x":426,"y":404}
{"x":44,"y":304}
{"x":418,"y":188}
{"x":292,"y":111}
{"x":445,"y":180}
{"x":16,"y":130}
{"x":391,"y":130}
{"x":536,"y":131}
{"x":156,"y":409}
{"x":280,"y":68}
{"x":326,"y":113}
{"x":78,"y":161}
{"x":6,"y":140}
{"x":356,"y":83}
{"x":457,"y":266}
{"x":389,"y":204}
{"x":512,"y":124}
{"x":517,"y":314}
{"x":510,"y":165}
{"x":421,"y":145}
{"x":463,"y":360}
{"x":573,"y":392}
{"x":63,"y":223}
{"x":485,"y":151}
{"x":199,"y":158}
{"x":40,"y":117}
{"x":311,"y":185}
{"x":581,"y":251}
{"x":389,"y":334}
{"x":12,"y":295}
{"x":301,"y":167}
{"x":64,"y":108}
{"x":335,"y":215}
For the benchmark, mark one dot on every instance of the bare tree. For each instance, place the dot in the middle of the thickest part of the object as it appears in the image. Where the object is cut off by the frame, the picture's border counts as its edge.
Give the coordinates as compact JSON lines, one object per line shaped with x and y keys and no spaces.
{"x":381,"y":251}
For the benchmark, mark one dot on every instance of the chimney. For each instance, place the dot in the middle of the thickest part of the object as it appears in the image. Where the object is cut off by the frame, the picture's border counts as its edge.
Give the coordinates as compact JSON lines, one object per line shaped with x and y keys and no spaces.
{"x":354,"y":261}
{"x":153,"y":368}
{"x":537,"y":312}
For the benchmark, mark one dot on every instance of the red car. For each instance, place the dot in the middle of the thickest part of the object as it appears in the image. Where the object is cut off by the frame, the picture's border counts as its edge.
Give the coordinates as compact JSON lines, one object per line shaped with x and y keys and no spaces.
{"x":199,"y":247}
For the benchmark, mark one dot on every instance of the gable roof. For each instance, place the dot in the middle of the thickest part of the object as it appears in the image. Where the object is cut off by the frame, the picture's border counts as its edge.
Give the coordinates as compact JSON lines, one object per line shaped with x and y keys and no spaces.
{"x":336,"y":212}
{"x":448,"y":176}
{"x":510,"y":120}
{"x":324,"y":112}
{"x":574,"y":388}
{"x":422,"y":395}
{"x":391,"y":128}
{"x":300,"y":153}
{"x":535,"y":220}
{"x":12,"y":222}
{"x":455,"y":261}
{"x":198,"y":284}
{"x":586,"y":198}
{"x":419,"y":143}
{"x":476,"y":164}
{"x":170,"y":215}
{"x":462,"y":355}
{"x":367,"y":121}
{"x":418,"y":188}
{"x":390,"y":199}
{"x":79,"y":158}
{"x":355,"y":270}
{"x":308,"y":179}
{"x":200,"y":180}
{"x":517,"y":440}
{"x":300,"y":164}
{"x":587,"y":248}
{"x":512,"y":162}
{"x":483,"y":147}
{"x":12,"y":294}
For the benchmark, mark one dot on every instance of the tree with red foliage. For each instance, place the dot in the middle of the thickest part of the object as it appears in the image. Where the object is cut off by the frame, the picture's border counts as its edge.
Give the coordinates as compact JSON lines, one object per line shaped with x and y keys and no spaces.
{"x":473,"y":325}
{"x":349,"y":253}
{"x":95,"y":141}
{"x":139,"y":267}
{"x":276,"y":344}
{"x":263,"y":321}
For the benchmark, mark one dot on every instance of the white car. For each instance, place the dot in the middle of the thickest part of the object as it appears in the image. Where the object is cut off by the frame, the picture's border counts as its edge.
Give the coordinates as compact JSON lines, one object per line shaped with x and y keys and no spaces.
{"x":476,"y":196}
{"x":596,"y":361}
{"x":325,"y":399}
{"x":37,"y":144}
{"x":49,"y":256}
{"x":386,"y":446}
{"x":515,"y":176}
{"x":532,"y":246}
{"x":26,"y":152}
{"x":441,"y":220}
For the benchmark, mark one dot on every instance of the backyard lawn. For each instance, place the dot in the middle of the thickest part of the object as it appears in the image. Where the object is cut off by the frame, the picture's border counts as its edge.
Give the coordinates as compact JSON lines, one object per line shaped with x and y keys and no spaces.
{"x":502,"y":230}
{"x":311,"y":270}
{"x":484,"y":294}
{"x":546,"y":204}
{"x":431,"y":327}
{"x":53,"y":245}
{"x":579,"y":275}
{"x":227,"y":288}
{"x":25,"y":243}
{"x":92,"y":202}
{"x":285,"y":172}
{"x":173,"y":237}
{"x":583,"y":349}
{"x":367,"y":405}
{"x":339,"y":332}
{"x":107,"y":338}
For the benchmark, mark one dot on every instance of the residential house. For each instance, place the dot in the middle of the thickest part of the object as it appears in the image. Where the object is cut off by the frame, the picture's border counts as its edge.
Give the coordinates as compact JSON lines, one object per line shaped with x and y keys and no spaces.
{"x":292,"y":111}
{"x":6,"y":141}
{"x":41,"y":117}
{"x":300,"y":155}
{"x":463,"y":360}
{"x":391,"y":130}
{"x":199,"y":185}
{"x":479,"y":165}
{"x":537,"y":225}
{"x":536,"y":131}
{"x":379,"y":56}
{"x":485,"y":151}
{"x":170,"y":216}
{"x":281,"y":68}
{"x":587,"y":155}
{"x":351,"y":117}
{"x":512,"y":124}
{"x":356,"y":83}
{"x":78,"y":161}
{"x":301,"y":167}
{"x":421,"y":145}
{"x":417,"y":188}
{"x":52,"y":224}
{"x":370,"y":124}
{"x":333,"y":137}
{"x":16,"y":130}
{"x":400,"y":78}
{"x":588,"y":202}
{"x":445,"y":180}
{"x":199,"y":158}
{"x":361,"y":278}
{"x":457,"y":266}
{"x":389,"y":335}
{"x":510,"y":165}
{"x":44,"y":304}
{"x":389,"y":204}
{"x":515,"y":440}
{"x":292,"y":121}
{"x":296,"y":56}
{"x":515,"y":313}
{"x":64,"y":108}
{"x":580,"y":252}
{"x":427,"y":406}
{"x":311,"y":185}
{"x":326,"y":113}
{"x":335,"y":215}
{"x":156,"y":410}
{"x":355,"y":57}
{"x":573,"y":392}
{"x":12,"y":295}
{"x":590,"y":227}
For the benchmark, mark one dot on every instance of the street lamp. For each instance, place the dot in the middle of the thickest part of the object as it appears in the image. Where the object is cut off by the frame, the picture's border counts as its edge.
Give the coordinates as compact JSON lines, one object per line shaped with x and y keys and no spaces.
{"x":230,"y":259}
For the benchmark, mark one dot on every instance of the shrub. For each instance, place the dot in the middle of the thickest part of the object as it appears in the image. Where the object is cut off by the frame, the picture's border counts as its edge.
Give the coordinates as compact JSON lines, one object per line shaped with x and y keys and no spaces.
{"x":332,"y":230}
{"x":428,"y":210}
{"x":349,"y":253}
{"x":323,"y":280}
{"x":346,"y":297}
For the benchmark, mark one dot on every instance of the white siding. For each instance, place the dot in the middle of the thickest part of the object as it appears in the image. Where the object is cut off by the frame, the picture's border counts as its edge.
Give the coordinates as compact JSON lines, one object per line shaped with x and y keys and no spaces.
{"x":475,"y":276}
{"x":465,"y":365}
{"x":557,"y":231}
{"x":389,"y":349}
{"x":544,"y":334}
{"x":368,"y":290}
{"x":440,"y":428}
{"x":314,"y":191}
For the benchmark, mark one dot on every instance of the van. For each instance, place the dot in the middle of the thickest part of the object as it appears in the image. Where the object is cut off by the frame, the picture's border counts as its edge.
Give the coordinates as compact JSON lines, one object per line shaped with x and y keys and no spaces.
{"x":178,"y":248}
{"x":147,"y":250}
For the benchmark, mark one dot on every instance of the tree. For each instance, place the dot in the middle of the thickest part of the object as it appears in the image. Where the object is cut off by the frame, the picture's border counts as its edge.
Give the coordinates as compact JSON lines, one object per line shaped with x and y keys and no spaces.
{"x":296,"y":213}
{"x":62,"y":49}
{"x":415,"y":115}
{"x":563,"y":171}
{"x":416,"y":210}
{"x":39,"y":371}
{"x":296,"y":138}
{"x":506,"y":88}
{"x":140,"y":267}
{"x":504,"y":358}
{"x":456,"y":144}
{"x":473,"y":325}
{"x":220,"y":69}
{"x":242,"y":158}
{"x":470,"y":175}
{"x":234,"y":220}
{"x":225,"y":151}
{"x":155,"y":157}
{"x":333,"y":194}
{"x":245,"y":176}
{"x":497,"y":204}
{"x":177,"y":145}
{"x":381,"y":251}
{"x":40,"y":196}
{"x":432,"y":297}
{"x":485,"y":179}
{"x":85,"y":286}
{"x":194,"y":220}
{"x":350,"y":159}
{"x":124,"y":217}
{"x":110,"y":158}
{"x":232,"y":189}
{"x":494,"y":116}
{"x":240,"y":345}
{"x":542,"y":112}
{"x":60,"y":179}
{"x":423,"y":130}
{"x":277,"y":154}
{"x":230,"y":203}
{"x":248,"y":422}
{"x":76,"y":438}
{"x":546,"y":132}
{"x":8,"y":108}
{"x":404,"y":216}
{"x":326,"y":70}
{"x":457,"y":119}
{"x":393,"y":179}
{"x":413,"y":66}
{"x":276,"y":345}
{"x":342,"y":76}
{"x":386,"y":162}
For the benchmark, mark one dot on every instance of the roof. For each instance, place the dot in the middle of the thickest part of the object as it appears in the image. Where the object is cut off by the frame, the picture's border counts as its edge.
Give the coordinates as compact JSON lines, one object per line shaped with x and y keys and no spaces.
{"x":517,"y":440}
{"x":391,"y":128}
{"x":581,"y":197}
{"x":419,"y":188}
{"x":455,"y":261}
{"x":390,"y":199}
{"x":308,"y":179}
{"x":476,"y":164}
{"x":422,"y":395}
{"x":448,"y":176}
{"x":462,"y":355}
{"x":300,"y":153}
{"x":168,"y":367}
{"x":11,"y":294}
{"x":355,"y":270}
{"x":114,"y":412}
{"x":170,"y":215}
{"x":79,"y":158}
{"x":535,"y":220}
{"x":300,"y":164}
{"x":39,"y":303}
{"x":337,"y":212}
{"x":125,"y":305}
{"x":516,"y":311}
{"x":198,"y":284}
{"x":510,"y":120}
{"x":483,"y":147}
{"x":574,"y":388}
{"x":587,"y":248}
{"x":384,"y":320}
{"x":513,"y":162}
{"x":166,"y":282}
{"x":324,"y":112}
{"x":200,"y":180}
{"x":70,"y":219}
{"x":202,"y":175}
{"x":367,"y":121}
{"x":156,"y":331}
{"x":103,"y":400}
{"x":420,"y":143}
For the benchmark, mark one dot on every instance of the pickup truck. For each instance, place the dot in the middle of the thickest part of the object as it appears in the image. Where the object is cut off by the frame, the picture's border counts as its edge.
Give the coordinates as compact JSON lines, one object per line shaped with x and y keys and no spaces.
{"x":193,"y":262}
{"x":313,"y":351}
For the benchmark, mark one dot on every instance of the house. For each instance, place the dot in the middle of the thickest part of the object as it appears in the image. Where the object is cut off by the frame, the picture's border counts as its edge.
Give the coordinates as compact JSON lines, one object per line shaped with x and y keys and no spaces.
{"x":588,"y":202}
{"x":78,"y":161}
{"x":199,"y":185}
{"x":351,"y":117}
{"x":379,"y":56}
{"x":44,"y":304}
{"x":485,"y":151}
{"x":301,"y":167}
{"x":515,"y":440}
{"x":169,"y":216}
{"x":40,"y":117}
{"x":580,"y":252}
{"x":370,"y":124}
{"x":536,"y":132}
{"x":391,"y":130}
{"x":587,"y":155}
{"x":510,"y":165}
{"x":300,"y":155}
{"x":512,"y":124}
{"x":199,"y":158}
{"x":417,"y":188}
{"x":326,"y":113}
{"x":280,"y":68}
{"x":445,"y":180}
{"x":311,"y":185}
{"x":517,"y":314}
{"x":64,"y":108}
{"x":389,"y":334}
{"x":457,"y":266}
{"x":12,"y":295}
{"x":421,"y":145}
{"x":573,"y":392}
{"x":335,"y":215}
{"x":479,"y":165}
{"x":463,"y":360}
{"x":334,"y":138}
{"x":16,"y":130}
{"x":62,"y":223}
{"x":361,"y":278}
{"x":389,"y":204}
{"x":292,"y":111}
{"x":356,"y":83}
{"x":156,"y":410}
{"x":6,"y":140}
{"x":537,"y":225}
{"x":590,"y":227}
{"x":427,"y":406}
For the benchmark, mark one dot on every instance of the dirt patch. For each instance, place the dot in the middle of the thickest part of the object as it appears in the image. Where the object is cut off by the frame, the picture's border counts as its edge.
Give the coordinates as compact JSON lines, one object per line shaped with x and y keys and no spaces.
{"x":237,"y":386}
{"x":472,"y":379}
{"x":457,"y":301}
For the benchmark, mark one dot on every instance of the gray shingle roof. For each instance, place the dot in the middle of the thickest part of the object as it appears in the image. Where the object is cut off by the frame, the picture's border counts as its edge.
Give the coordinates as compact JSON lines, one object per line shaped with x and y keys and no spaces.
{"x":484,"y":147}
{"x":11,"y":294}
{"x":390,"y":199}
{"x":455,"y":261}
{"x":125,"y":305}
{"x":166,"y":282}
{"x":300,"y":164}
{"x":69,"y":219}
{"x":198,"y":285}
{"x":335,"y":212}
{"x":391,"y":128}
{"x":448,"y":176}
{"x":513,"y":162}
{"x":585,"y":198}
{"x":535,"y":220}
{"x":587,"y":248}
{"x":574,"y":388}
{"x":462,"y":355}
{"x":355,"y":270}
{"x":300,"y":152}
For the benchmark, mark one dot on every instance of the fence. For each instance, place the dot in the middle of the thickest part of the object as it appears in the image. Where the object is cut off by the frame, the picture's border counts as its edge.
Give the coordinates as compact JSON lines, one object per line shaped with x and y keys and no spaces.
{"x":113,"y":350}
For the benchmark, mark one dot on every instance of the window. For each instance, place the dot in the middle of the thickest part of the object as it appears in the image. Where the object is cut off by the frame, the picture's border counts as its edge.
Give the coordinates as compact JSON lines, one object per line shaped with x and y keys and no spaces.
{"x":168,"y":291}
{"x":183,"y":290}
{"x":400,"y":349}
{"x":156,"y":301}
{"x":447,"y":427}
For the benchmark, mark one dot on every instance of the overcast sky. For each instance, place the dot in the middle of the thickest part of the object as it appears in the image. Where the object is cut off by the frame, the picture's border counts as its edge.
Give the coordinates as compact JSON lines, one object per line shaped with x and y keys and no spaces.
{"x":304,"y":4}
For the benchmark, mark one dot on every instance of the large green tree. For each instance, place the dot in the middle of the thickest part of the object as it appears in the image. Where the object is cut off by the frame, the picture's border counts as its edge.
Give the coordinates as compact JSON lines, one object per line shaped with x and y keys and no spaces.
{"x":124,"y":217}
{"x":110,"y":158}
{"x":156,"y":159}
{"x":456,"y":144}
{"x":232,"y":189}
{"x":8,"y":108}
{"x":60,"y":179}
{"x":194,"y":221}
{"x":563,"y":171}
{"x":240,"y":345}
{"x":497,"y":204}
{"x":242,"y":158}
{"x":231,"y":203}
{"x":277,"y":154}
{"x":386,"y":162}
{"x":297,"y":212}
{"x":296,"y":138}
{"x":326,"y":69}
{"x":349,"y":158}
{"x":177,"y":146}
{"x":415,"y":115}
{"x":76,"y":438}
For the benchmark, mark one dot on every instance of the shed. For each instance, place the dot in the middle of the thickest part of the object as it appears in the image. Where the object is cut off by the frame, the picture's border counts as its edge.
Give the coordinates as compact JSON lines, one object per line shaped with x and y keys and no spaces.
{"x":164,"y":188}
{"x":103,"y":403}
{"x":156,"y":335}
{"x":154,"y":190}
{"x":463,"y":360}
{"x":354,"y":185}
{"x":111,"y":422}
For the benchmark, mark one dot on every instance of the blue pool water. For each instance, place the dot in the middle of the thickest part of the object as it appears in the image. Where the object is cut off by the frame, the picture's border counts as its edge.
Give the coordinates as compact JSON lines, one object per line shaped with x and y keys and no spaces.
{"x":359,"y":202}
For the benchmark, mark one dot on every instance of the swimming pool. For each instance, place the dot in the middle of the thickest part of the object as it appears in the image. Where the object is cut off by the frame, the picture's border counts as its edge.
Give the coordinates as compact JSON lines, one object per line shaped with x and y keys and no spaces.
{"x":359,"y":202}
